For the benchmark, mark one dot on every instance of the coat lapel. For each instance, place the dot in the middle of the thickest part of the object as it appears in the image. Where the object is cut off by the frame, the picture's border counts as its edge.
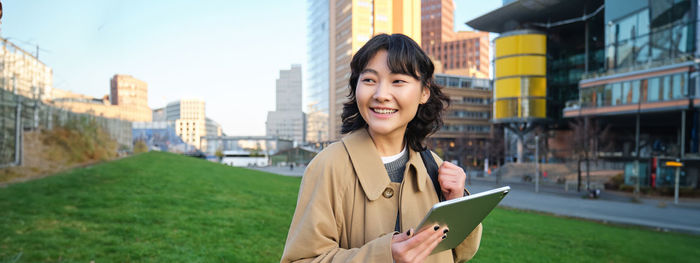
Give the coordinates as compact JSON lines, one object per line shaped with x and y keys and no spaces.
{"x":367,"y":163}
{"x":421,"y":172}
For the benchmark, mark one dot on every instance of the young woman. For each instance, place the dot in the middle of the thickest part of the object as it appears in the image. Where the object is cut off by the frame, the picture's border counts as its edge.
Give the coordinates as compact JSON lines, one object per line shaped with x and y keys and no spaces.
{"x":361,"y":197}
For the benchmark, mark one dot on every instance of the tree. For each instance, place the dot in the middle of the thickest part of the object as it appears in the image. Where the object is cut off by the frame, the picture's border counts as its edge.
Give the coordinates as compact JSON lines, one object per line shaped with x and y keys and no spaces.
{"x":586,"y":140}
{"x":219,"y":154}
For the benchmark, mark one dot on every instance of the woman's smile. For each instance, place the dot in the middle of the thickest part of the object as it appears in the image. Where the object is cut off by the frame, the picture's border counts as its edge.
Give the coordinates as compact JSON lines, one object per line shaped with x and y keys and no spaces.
{"x":383,"y":112}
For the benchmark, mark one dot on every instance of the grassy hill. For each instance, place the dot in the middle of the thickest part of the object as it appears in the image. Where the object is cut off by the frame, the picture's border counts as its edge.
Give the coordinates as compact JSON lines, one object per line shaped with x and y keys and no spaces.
{"x":150,"y":207}
{"x":160,"y":207}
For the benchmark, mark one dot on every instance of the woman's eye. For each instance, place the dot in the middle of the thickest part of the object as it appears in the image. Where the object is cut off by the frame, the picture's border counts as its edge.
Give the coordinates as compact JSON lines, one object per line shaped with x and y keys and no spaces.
{"x":368,"y":80}
{"x":399,"y":81}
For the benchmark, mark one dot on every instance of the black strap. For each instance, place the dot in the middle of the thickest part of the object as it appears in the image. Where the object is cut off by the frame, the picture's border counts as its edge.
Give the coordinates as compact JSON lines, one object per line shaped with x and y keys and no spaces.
{"x":432,"y":168}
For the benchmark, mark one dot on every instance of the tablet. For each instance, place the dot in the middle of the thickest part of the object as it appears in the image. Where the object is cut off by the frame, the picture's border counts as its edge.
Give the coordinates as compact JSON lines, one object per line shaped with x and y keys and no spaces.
{"x":462,"y":215}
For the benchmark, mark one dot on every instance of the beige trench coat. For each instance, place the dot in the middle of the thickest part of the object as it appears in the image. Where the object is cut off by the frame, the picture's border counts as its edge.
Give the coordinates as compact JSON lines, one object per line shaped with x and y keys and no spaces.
{"x":347,"y":207}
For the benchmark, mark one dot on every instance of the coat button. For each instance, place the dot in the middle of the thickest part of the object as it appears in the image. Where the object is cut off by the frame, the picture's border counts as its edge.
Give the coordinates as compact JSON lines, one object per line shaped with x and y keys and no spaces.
{"x":388,"y":192}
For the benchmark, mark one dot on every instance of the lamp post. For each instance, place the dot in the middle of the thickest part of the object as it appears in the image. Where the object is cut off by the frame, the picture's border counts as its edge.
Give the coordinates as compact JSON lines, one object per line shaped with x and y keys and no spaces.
{"x":678,"y":166}
{"x":537,"y":166}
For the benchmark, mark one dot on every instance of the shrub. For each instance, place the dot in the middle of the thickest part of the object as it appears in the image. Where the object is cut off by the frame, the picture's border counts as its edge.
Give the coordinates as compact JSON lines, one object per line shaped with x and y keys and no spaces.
{"x":140,"y":147}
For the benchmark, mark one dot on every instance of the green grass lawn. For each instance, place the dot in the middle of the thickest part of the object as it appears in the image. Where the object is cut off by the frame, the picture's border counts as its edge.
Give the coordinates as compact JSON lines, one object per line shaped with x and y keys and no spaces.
{"x":169,"y":208}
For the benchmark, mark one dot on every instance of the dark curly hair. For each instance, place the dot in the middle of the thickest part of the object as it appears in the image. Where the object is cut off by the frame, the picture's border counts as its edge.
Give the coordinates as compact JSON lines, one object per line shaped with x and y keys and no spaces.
{"x":404,"y":56}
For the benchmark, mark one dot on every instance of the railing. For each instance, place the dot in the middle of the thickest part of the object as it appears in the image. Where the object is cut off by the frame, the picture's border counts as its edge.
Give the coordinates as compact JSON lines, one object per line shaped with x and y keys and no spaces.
{"x":33,"y":114}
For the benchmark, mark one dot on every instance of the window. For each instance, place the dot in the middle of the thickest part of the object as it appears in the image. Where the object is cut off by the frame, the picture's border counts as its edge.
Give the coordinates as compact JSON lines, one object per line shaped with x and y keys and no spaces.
{"x":626,"y":93}
{"x":635,"y":91}
{"x":678,"y":86}
{"x":653,"y":90}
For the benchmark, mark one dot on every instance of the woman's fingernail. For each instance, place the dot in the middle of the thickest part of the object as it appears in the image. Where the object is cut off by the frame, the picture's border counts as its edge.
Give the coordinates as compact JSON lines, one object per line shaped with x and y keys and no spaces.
{"x":436,"y":227}
{"x":408,"y":233}
{"x":445,"y":231}
{"x":444,"y":236}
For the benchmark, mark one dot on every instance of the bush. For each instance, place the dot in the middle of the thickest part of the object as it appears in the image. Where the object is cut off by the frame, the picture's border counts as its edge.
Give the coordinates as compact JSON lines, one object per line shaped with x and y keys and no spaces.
{"x":78,"y":141}
{"x":140,"y":147}
{"x":615,"y":182}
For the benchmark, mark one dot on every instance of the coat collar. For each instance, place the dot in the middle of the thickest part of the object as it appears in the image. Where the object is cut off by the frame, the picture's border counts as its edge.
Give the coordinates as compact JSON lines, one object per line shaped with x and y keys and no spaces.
{"x":369,"y":167}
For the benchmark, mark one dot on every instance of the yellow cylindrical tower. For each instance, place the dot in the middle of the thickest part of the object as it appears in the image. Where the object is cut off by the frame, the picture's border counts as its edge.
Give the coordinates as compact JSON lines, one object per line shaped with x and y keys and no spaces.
{"x":520,"y":86}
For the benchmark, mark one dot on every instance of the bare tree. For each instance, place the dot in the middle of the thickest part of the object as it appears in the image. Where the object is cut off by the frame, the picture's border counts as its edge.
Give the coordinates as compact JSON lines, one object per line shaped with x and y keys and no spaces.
{"x":588,"y":138}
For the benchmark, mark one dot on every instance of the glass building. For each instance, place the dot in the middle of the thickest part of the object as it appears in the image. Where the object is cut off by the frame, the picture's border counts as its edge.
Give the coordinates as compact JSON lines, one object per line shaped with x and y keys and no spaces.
{"x":629,"y":66}
{"x":315,"y":84}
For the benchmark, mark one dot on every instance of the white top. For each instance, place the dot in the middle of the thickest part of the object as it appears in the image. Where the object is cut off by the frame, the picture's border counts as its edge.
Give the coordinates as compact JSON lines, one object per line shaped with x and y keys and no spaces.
{"x":392,"y":158}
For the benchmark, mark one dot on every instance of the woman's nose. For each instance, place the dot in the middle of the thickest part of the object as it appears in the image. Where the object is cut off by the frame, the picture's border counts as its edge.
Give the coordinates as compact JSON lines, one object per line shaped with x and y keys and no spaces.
{"x":382,"y":93}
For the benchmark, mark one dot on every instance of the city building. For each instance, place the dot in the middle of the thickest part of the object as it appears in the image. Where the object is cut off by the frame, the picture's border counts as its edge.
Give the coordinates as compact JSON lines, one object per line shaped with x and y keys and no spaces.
{"x":463,"y":53}
{"x":213,"y":128}
{"x":159,"y":114}
{"x":351,"y":24}
{"x":287,"y":121}
{"x":131,"y":95}
{"x":191,"y":130}
{"x":188,"y":109}
{"x":467,"y":125}
{"x":316,"y":71}
{"x":628,"y":66}
{"x":23,"y":74}
{"x":80,"y":103}
{"x":189,"y":118}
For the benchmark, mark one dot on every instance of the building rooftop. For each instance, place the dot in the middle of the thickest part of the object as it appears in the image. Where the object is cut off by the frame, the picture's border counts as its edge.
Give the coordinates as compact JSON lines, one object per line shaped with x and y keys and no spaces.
{"x":525,"y":14}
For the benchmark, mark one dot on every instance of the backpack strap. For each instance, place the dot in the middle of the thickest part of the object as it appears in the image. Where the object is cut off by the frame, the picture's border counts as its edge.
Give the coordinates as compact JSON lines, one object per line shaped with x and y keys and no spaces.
{"x":432,"y":168}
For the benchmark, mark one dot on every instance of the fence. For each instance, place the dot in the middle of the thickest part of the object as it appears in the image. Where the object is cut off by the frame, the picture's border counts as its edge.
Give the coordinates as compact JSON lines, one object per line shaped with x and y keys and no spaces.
{"x":19,"y":113}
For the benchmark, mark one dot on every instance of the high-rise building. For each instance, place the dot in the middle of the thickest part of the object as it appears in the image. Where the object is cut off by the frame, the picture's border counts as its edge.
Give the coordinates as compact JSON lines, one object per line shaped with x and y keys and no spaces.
{"x":189,"y":118}
{"x":131,"y":94}
{"x":463,"y":53}
{"x":287,"y":121}
{"x":22,"y":73}
{"x":352,"y":24}
{"x":316,"y":71}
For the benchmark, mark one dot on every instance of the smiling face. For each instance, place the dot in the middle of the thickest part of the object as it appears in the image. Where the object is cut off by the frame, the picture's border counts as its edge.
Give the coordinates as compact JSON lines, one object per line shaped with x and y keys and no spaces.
{"x":388,"y":101}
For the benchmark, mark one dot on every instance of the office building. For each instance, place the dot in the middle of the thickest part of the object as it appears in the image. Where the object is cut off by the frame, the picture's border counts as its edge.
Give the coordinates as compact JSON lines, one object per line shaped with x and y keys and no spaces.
{"x":351,"y":24}
{"x":287,"y":121}
{"x":158,"y":114}
{"x":23,"y":74}
{"x":189,"y":118}
{"x":463,"y":53}
{"x":213,"y":128}
{"x":187,"y":109}
{"x":625,"y":65}
{"x":467,"y":124}
{"x":316,"y":72}
{"x":131,"y":95}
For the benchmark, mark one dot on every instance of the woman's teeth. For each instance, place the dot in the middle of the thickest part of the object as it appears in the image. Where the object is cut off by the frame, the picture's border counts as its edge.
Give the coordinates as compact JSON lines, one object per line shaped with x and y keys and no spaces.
{"x":384,"y":111}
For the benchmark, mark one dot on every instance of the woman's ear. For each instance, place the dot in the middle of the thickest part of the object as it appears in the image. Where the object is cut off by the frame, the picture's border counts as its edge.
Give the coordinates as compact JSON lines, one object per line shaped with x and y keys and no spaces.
{"x":425,"y":95}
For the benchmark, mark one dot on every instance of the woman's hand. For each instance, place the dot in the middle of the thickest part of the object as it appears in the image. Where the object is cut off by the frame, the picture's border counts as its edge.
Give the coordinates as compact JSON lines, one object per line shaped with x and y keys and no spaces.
{"x":451,"y":178}
{"x":412,"y":247}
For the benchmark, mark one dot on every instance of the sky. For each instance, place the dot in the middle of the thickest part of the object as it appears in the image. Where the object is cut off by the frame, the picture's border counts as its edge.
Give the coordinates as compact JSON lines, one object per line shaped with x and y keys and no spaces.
{"x":227,"y":53}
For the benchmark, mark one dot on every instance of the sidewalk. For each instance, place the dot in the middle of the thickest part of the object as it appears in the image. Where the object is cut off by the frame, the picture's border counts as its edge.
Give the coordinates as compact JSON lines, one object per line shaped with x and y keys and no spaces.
{"x":609,"y":208}
{"x":297,"y":171}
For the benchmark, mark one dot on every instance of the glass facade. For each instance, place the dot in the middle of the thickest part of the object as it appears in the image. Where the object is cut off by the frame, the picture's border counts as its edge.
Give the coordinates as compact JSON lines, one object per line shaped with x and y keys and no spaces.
{"x":660,"y":32}
{"x":641,"y":37}
{"x":316,"y":72}
{"x":568,"y":60}
{"x":654,"y":89}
